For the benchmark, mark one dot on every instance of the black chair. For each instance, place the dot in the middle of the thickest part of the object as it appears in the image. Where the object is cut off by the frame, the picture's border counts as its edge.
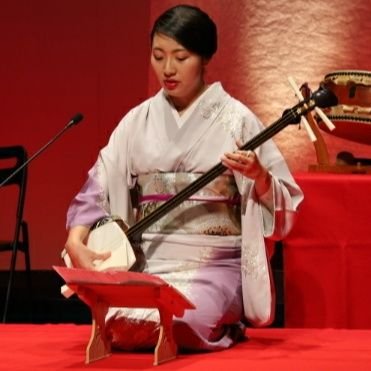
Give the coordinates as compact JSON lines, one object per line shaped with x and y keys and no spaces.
{"x":11,"y":158}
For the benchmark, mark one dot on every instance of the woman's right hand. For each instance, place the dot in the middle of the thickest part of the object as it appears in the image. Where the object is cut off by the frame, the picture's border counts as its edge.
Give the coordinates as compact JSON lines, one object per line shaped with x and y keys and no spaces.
{"x":81,"y":256}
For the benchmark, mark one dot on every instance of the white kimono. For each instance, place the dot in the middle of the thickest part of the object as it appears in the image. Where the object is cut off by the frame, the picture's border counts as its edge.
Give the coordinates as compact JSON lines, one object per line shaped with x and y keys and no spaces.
{"x":220,"y":263}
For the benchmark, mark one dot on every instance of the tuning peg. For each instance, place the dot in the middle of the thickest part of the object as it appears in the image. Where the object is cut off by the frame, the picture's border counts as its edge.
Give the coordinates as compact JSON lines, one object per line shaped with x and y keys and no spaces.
{"x":307,"y":127}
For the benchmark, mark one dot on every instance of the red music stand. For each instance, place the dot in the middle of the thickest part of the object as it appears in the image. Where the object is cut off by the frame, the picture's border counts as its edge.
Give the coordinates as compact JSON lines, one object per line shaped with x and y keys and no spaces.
{"x":101,"y":290}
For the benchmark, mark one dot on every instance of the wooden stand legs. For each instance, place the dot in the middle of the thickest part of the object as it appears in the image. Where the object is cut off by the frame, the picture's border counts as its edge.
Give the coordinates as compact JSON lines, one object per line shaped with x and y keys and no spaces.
{"x":166,"y":348}
{"x":99,"y":345}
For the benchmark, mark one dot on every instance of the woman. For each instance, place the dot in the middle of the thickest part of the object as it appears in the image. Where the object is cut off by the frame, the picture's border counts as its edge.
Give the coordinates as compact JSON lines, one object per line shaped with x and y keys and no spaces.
{"x":212,"y":246}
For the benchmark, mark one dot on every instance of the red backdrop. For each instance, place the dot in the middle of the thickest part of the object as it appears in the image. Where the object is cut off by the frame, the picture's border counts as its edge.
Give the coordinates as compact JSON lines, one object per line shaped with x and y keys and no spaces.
{"x":92,"y":56}
{"x":59,"y":58}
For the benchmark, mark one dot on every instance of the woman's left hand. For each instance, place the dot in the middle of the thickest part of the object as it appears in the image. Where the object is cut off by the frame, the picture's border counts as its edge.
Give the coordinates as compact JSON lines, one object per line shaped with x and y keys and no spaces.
{"x":247,"y":163}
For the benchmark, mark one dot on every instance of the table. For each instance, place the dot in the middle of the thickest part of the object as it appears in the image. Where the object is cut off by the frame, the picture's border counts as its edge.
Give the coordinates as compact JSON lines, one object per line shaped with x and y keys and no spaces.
{"x":327,"y":255}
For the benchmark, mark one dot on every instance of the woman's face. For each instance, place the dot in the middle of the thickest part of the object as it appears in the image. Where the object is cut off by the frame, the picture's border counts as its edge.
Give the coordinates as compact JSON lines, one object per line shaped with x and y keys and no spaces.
{"x":179,"y":71}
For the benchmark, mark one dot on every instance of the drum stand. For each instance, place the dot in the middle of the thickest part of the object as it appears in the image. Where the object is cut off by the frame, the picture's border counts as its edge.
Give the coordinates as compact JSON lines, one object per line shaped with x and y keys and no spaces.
{"x":323,"y":162}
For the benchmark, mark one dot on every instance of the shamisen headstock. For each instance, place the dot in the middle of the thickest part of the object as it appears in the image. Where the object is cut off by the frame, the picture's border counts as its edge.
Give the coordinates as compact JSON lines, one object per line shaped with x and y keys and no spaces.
{"x":323,"y":97}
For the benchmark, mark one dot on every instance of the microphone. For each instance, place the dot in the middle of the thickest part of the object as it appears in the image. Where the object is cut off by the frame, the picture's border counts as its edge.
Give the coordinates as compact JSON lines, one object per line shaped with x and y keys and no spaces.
{"x":74,"y":121}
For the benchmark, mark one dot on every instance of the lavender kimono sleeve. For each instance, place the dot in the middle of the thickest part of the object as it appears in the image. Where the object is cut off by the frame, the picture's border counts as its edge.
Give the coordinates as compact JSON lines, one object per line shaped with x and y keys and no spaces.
{"x":106,"y":190}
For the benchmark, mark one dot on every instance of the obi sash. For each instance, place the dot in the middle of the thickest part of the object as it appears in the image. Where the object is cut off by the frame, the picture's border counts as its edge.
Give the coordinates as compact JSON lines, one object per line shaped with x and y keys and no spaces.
{"x":213,"y":210}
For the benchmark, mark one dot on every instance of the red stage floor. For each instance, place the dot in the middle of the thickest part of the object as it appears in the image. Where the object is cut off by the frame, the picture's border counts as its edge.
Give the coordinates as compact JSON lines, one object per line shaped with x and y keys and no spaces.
{"x":62,"y":347}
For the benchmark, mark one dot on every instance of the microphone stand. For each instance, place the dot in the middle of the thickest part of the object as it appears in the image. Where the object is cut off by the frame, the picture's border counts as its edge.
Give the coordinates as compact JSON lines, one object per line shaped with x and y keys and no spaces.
{"x":74,"y":120}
